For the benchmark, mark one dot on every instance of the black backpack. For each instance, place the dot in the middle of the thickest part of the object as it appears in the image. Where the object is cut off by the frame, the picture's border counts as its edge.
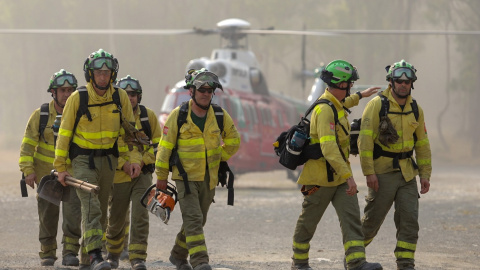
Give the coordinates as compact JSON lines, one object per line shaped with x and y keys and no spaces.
{"x":384,"y":111}
{"x":223,"y":168}
{"x":44,"y":113}
{"x":291,"y":155}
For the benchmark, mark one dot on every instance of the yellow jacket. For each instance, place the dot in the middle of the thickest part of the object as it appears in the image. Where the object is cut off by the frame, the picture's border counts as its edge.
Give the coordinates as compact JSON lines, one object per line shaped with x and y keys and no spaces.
{"x":405,"y":125}
{"x":148,"y":156}
{"x":37,"y":154}
{"x":324,"y":131}
{"x":196,"y":149}
{"x":100,"y":133}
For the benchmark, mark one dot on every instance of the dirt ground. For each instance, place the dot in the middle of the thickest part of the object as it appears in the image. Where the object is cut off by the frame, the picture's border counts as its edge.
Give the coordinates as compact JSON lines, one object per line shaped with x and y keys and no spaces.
{"x":256,"y":233}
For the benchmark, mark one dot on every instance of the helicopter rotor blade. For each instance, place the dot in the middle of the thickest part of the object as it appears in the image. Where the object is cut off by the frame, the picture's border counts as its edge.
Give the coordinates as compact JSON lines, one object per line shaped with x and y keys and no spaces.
{"x":104,"y":31}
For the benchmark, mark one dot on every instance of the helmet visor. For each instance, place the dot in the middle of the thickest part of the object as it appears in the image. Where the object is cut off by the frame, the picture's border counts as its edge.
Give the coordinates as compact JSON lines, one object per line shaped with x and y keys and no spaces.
{"x":98,"y":63}
{"x":61,"y":80}
{"x":397,"y":73}
{"x":125,"y":83}
{"x":207,"y":77}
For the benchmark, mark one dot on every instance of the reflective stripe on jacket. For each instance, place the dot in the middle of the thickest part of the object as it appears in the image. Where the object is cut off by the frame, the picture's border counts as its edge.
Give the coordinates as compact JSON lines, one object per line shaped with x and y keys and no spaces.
{"x":101,"y":132}
{"x":322,"y":130}
{"x":196,"y":148}
{"x":147,"y":153}
{"x":405,"y":125}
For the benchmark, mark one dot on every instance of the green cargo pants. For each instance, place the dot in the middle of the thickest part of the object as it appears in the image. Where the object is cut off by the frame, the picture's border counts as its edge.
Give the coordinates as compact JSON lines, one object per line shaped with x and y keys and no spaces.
{"x":394,"y":188}
{"x":191,"y":240}
{"x":348,"y":212}
{"x":48,"y":215}
{"x":119,"y":205}
{"x":94,"y":207}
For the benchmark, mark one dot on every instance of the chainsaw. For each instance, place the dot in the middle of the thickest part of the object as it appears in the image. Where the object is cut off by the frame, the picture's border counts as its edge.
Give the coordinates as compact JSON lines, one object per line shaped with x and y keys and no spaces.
{"x":160,"y":202}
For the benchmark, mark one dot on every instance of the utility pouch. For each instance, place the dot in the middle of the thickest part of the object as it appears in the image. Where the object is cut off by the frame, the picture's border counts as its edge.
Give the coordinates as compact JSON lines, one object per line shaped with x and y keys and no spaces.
{"x":309,"y":191}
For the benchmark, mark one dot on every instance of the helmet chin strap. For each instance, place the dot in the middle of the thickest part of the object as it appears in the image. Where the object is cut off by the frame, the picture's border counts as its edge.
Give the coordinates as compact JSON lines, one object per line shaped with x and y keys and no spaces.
{"x":101,"y":87}
{"x":205,"y":108}
{"x":56,"y":100}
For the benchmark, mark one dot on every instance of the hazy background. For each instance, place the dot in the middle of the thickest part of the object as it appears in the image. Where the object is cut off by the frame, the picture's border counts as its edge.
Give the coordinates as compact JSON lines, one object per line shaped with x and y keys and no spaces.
{"x":448,"y":67}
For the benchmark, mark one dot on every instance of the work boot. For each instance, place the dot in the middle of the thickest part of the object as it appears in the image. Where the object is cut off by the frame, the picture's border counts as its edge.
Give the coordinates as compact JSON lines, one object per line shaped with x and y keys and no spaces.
{"x":47,"y":261}
{"x":70,"y":260}
{"x":112,"y":260}
{"x":405,"y":265}
{"x":301,"y":266}
{"x":203,"y":266}
{"x":181,"y":264}
{"x":97,"y":262}
{"x":124,"y":255}
{"x":138,"y":264}
{"x":368,"y":266}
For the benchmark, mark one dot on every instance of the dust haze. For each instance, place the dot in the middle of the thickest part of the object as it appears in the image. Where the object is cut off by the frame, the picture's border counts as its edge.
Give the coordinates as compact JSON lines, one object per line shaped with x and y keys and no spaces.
{"x":448,"y":66}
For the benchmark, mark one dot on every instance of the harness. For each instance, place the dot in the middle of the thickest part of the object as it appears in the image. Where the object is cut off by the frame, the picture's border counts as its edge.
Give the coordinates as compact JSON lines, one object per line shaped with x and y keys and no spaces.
{"x":223,"y":168}
{"x":76,"y":150}
{"x":378,"y":151}
{"x":44,"y":113}
{"x":150,"y":168}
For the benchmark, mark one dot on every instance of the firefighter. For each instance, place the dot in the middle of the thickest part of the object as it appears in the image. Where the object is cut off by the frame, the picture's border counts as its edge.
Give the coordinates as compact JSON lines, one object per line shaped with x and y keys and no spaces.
{"x":200,"y":152}
{"x":126,"y":189}
{"x":36,"y":160}
{"x":329,"y":178}
{"x":386,"y":143}
{"x":93,"y":119}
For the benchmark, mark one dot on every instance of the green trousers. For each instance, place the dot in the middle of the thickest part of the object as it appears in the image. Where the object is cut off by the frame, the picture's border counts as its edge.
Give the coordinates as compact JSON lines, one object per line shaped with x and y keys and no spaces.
{"x":348,"y":212}
{"x":191,"y":240}
{"x":394,"y":189}
{"x":94,"y":207}
{"x":48,"y":215}
{"x":119,"y":205}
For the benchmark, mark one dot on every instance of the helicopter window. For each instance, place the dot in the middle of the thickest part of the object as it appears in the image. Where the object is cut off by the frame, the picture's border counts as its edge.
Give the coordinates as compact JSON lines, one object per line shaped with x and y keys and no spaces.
{"x":280,"y":118}
{"x":254,"y":113}
{"x":237,"y":111}
{"x":248,"y":116}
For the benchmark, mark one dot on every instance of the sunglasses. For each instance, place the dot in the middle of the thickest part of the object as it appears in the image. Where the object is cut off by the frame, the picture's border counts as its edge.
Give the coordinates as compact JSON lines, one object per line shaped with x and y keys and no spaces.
{"x":403,"y":81}
{"x":125,"y":83}
{"x":203,"y":90}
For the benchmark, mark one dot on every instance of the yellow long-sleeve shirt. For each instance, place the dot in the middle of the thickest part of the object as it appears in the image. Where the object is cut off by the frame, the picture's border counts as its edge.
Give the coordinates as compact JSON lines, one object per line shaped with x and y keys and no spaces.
{"x":324,"y":131}
{"x":148,"y":156}
{"x":100,"y":133}
{"x":406,"y":125}
{"x":196,"y":149}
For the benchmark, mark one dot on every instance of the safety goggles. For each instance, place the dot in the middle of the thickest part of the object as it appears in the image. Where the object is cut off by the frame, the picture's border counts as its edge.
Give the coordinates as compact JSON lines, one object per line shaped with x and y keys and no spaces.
{"x":203,"y":90}
{"x":98,"y":63}
{"x":125,"y":83}
{"x":409,"y":73}
{"x":207,"y":77}
{"x":60,"y":81}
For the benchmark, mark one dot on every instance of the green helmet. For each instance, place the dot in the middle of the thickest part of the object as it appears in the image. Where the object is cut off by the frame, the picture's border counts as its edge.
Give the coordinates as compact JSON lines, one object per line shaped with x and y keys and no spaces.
{"x":338,"y":71}
{"x":62,"y":78}
{"x":100,"y":60}
{"x":197,"y":78}
{"x":130,"y":84}
{"x":401,"y":70}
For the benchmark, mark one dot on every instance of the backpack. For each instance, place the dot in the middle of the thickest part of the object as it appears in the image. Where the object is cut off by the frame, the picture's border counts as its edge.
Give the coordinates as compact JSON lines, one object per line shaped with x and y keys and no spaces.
{"x":223,"y":168}
{"x":384,"y":111}
{"x":291,"y":153}
{"x":150,"y":168}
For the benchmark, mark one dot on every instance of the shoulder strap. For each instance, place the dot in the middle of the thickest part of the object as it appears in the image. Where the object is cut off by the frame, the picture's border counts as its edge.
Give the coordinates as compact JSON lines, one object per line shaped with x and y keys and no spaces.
{"x":182,"y":115}
{"x":83,"y":107}
{"x":219,"y":116}
{"x":116,"y":98}
{"x":385,"y":105}
{"x":144,"y":120}
{"x":415,"y":108}
{"x":44,"y":113}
